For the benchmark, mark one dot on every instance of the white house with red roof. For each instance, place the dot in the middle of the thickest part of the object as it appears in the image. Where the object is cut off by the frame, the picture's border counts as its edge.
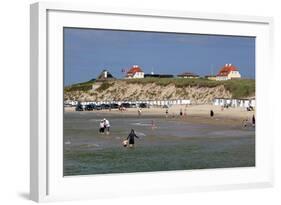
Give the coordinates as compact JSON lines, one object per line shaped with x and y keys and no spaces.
{"x":135,"y":72}
{"x":228,"y":72}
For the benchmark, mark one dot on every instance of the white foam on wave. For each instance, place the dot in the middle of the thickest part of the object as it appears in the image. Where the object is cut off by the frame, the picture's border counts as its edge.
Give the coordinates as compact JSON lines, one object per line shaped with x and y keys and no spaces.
{"x":140,"y":134}
{"x":141,"y":124}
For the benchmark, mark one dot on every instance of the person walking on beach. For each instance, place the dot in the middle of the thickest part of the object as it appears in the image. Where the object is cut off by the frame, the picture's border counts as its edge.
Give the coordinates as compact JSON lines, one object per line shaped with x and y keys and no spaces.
{"x":139,"y":112}
{"x":167,"y":112}
{"x":253,"y":121}
{"x":211,"y":113}
{"x":180,"y":112}
{"x":184,"y":114}
{"x":101,"y":130}
{"x":106,"y":126}
{"x":245,"y":123}
{"x":131,"y":138}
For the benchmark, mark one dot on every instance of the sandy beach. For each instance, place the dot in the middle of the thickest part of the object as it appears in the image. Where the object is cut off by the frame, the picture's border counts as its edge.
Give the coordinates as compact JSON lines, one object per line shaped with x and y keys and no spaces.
{"x":191,"y":113}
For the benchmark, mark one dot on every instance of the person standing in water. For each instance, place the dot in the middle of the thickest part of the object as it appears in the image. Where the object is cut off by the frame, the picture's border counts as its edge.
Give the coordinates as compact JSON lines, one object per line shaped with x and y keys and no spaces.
{"x":106,"y":126}
{"x":101,"y":127}
{"x":131,"y":138}
{"x":153,"y":125}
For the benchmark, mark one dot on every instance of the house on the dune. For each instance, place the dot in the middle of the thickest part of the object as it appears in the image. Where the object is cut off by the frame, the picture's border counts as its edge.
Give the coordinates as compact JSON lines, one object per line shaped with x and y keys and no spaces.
{"x":135,"y":72}
{"x":228,"y":72}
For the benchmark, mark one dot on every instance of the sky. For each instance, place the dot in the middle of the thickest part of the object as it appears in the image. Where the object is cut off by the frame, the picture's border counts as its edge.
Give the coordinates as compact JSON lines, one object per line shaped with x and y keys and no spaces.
{"x":88,"y":51}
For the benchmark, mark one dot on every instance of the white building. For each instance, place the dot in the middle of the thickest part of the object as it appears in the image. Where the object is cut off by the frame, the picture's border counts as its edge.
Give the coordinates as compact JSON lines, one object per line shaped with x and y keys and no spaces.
{"x":228,"y":72}
{"x":235,"y":102}
{"x":105,"y":75}
{"x":135,"y":72}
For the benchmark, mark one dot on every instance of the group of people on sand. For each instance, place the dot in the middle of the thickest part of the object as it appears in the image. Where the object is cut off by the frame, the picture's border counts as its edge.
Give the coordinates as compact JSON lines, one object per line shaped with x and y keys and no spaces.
{"x":104,"y":126}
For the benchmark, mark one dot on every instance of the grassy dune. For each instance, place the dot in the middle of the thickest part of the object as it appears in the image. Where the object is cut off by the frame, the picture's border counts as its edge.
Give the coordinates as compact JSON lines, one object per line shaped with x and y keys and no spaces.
{"x":239,"y":88}
{"x":85,"y":86}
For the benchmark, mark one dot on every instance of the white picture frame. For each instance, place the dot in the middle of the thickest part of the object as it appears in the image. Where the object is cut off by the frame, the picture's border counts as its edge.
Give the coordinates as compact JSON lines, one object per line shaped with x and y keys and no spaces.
{"x":46,"y":179}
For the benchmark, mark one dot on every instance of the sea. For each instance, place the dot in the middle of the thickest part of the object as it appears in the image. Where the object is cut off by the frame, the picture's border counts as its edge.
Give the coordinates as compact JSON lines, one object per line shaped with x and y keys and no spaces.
{"x":164,"y":144}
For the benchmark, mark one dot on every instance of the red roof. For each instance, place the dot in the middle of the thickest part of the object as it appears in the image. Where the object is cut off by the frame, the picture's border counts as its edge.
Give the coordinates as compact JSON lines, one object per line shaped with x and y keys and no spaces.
{"x":224,"y":71}
{"x":134,"y":69}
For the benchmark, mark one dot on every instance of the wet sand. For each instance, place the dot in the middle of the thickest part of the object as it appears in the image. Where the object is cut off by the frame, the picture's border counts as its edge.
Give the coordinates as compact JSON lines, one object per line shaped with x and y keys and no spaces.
{"x":173,"y":143}
{"x":191,"y":113}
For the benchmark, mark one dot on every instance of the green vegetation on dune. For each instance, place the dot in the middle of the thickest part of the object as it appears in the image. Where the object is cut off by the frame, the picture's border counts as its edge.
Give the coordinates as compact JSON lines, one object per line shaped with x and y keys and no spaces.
{"x":239,"y":88}
{"x":105,"y":85}
{"x":178,"y":82}
{"x":85,"y":86}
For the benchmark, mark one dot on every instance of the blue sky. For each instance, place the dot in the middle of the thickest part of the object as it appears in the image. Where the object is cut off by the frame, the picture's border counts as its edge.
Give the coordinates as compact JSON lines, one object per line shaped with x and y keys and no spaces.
{"x":88,"y":51}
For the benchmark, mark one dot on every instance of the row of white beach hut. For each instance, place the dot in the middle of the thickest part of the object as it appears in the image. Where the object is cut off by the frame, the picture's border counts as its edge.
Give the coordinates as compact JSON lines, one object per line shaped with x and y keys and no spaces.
{"x":235,"y":102}
{"x":137,"y":102}
{"x":217,"y":101}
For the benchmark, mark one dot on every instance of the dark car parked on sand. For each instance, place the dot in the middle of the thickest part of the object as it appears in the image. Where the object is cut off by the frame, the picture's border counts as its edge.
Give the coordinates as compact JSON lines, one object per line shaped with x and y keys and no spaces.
{"x":133,"y":105}
{"x":144,"y":105}
{"x":125,"y":105}
{"x":114,"y":106}
{"x":89,"y":107}
{"x":79,"y":107}
{"x":105,"y":106}
{"x":98,"y":107}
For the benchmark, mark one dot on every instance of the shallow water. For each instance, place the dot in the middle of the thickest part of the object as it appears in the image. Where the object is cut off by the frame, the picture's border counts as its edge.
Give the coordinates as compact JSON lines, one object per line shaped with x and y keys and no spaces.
{"x":163,"y":144}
